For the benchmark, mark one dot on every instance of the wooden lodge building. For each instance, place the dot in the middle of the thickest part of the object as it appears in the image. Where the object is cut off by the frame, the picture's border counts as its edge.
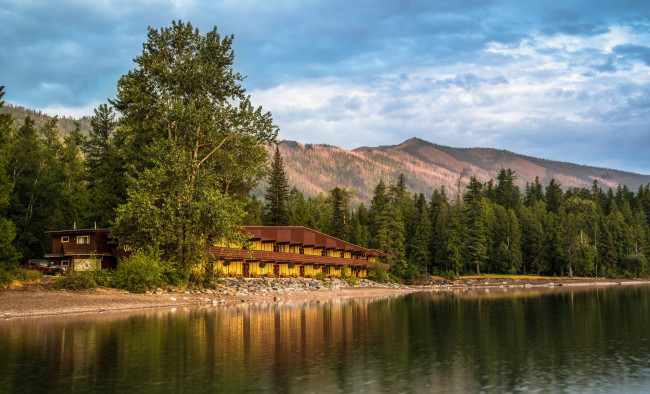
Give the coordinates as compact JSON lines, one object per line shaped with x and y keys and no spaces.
{"x":282,"y":251}
{"x":294,"y":251}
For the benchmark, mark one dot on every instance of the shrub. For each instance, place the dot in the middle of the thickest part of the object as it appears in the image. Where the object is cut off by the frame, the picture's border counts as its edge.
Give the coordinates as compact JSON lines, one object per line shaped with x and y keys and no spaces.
{"x":27,"y":275}
{"x":75,"y":281}
{"x":11,"y":272}
{"x":352,"y":281}
{"x":102,"y":277}
{"x":176,"y":276}
{"x":320,"y":276}
{"x":6,"y":277}
{"x":345,"y":272}
{"x":378,"y":274}
{"x":326,"y":283}
{"x":140,"y":271}
{"x":449,"y":275}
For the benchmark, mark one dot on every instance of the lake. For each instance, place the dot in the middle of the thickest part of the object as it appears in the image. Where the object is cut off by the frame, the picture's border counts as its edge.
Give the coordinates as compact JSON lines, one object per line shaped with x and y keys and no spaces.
{"x":580,"y":340}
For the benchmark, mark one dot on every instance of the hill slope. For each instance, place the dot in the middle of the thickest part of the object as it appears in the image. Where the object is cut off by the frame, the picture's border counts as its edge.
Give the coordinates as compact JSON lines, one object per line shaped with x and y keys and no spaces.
{"x":427,"y":166}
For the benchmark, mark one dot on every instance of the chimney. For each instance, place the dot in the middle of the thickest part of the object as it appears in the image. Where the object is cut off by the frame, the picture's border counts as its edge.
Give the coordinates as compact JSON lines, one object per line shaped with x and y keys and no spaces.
{"x":74,"y":225}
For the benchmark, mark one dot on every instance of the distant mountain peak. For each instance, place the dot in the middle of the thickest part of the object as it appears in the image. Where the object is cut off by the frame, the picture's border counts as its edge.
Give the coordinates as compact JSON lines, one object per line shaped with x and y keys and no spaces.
{"x":427,"y":166}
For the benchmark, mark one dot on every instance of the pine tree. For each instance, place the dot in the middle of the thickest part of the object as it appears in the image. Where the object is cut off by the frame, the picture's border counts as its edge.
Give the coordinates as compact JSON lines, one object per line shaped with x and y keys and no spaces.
{"x":340,"y":201}
{"x":298,"y":209}
{"x":106,"y":181}
{"x":553,"y":196}
{"x":475,"y":233}
{"x":420,"y":239}
{"x":506,"y":193}
{"x":277,"y":193}
{"x":378,"y":206}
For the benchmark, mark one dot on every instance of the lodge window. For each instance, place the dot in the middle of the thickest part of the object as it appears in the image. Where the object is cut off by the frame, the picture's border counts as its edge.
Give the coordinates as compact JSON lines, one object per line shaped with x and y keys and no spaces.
{"x":65,"y":263}
{"x":83,"y":239}
{"x":65,"y":239}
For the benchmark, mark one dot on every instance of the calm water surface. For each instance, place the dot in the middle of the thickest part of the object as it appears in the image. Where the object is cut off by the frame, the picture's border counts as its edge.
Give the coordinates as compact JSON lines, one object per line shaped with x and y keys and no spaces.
{"x":561,"y":340}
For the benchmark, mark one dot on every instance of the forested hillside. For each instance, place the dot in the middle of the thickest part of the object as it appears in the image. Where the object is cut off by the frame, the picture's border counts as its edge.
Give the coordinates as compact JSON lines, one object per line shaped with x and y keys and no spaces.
{"x":65,"y":125}
{"x":427,"y":166}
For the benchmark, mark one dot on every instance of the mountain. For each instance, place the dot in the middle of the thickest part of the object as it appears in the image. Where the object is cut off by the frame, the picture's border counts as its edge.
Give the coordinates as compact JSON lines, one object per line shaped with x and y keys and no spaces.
{"x":427,"y":166}
{"x":66,"y":124}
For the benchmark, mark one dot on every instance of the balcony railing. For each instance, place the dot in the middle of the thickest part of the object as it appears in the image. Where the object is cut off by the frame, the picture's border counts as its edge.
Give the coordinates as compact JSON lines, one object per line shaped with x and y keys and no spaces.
{"x":69,"y":248}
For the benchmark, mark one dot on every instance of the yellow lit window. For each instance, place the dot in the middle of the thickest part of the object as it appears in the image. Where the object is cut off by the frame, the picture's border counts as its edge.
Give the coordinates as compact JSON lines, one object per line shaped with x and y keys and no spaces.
{"x":65,"y":239}
{"x":83,"y":239}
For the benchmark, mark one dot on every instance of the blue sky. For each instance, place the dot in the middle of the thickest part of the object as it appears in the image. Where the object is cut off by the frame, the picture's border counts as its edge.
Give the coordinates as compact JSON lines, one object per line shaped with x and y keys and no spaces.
{"x":564,"y":80}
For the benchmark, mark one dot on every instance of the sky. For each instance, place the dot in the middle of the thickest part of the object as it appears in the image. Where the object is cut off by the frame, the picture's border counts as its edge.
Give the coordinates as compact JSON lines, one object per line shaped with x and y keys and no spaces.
{"x":563,"y":80}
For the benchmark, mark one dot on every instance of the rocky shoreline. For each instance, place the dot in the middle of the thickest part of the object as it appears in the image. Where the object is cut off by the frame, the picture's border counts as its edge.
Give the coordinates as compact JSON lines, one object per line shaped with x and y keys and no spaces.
{"x":40,"y":299}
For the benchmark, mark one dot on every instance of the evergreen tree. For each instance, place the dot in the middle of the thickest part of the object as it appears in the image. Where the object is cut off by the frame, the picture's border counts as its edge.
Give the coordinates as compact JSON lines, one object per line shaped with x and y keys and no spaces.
{"x":475,"y":233}
{"x":277,"y":194}
{"x":378,"y":206}
{"x":340,"y":202}
{"x":456,"y":233}
{"x":253,"y":212}
{"x":553,"y":196}
{"x":106,"y":181}
{"x":506,"y":193}
{"x":420,"y":239}
{"x":298,"y":209}
{"x":74,"y":202}
{"x":359,"y":227}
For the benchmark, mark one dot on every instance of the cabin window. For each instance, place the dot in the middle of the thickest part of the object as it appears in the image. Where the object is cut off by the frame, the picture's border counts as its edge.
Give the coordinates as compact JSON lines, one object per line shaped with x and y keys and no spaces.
{"x":65,"y":239}
{"x":83,"y":239}
{"x":65,"y":263}
{"x":87,"y":264}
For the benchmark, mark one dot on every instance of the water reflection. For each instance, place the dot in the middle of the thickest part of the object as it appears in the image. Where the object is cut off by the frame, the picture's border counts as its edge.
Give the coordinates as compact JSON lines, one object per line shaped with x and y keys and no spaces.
{"x":573,"y":340}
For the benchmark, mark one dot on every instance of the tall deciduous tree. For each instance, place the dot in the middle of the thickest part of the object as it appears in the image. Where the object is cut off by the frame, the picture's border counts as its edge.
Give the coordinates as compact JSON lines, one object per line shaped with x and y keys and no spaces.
{"x":8,"y":254}
{"x":193,"y":143}
{"x":276,"y":212}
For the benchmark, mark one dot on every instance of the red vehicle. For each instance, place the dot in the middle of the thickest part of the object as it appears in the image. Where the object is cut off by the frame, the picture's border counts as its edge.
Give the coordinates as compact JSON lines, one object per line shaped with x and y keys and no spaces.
{"x":45,"y":266}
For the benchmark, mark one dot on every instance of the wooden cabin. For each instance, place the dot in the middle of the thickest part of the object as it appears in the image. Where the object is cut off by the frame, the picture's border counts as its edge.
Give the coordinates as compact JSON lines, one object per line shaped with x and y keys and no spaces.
{"x":82,"y":250}
{"x":293,"y":251}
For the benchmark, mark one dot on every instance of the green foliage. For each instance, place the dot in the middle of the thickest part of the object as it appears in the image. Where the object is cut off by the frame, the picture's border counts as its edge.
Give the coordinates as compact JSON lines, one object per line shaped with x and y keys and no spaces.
{"x":205,"y":144}
{"x":11,"y":272}
{"x":277,"y":194}
{"x":176,"y":276}
{"x":352,"y":281}
{"x":102,"y":277}
{"x":140,"y":271}
{"x":378,"y":274}
{"x":320,"y":276}
{"x":346,"y":273}
{"x":75,"y":281}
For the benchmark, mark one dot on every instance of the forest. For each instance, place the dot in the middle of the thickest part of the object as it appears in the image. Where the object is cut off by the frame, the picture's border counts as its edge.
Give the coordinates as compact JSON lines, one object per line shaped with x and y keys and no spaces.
{"x":490,"y":227}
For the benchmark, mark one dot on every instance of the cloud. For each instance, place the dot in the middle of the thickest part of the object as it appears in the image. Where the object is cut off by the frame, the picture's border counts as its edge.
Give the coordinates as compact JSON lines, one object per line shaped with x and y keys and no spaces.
{"x":503,"y":74}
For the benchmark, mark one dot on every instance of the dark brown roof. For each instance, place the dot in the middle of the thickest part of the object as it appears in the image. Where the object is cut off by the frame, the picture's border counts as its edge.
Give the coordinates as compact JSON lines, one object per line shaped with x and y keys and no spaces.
{"x":79,"y":231}
{"x":299,"y":235}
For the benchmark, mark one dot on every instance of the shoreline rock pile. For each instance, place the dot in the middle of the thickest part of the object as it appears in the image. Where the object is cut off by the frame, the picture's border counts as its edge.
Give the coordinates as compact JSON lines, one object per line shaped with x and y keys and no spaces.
{"x":261,"y":286}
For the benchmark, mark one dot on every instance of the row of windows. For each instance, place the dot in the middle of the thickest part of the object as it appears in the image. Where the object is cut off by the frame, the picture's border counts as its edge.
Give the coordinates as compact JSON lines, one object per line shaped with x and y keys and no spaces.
{"x":310,"y":251}
{"x":81,"y":239}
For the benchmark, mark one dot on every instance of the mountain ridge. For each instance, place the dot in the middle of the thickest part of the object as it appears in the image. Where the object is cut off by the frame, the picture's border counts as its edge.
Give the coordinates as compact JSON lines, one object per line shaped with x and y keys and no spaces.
{"x":315,"y":168}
